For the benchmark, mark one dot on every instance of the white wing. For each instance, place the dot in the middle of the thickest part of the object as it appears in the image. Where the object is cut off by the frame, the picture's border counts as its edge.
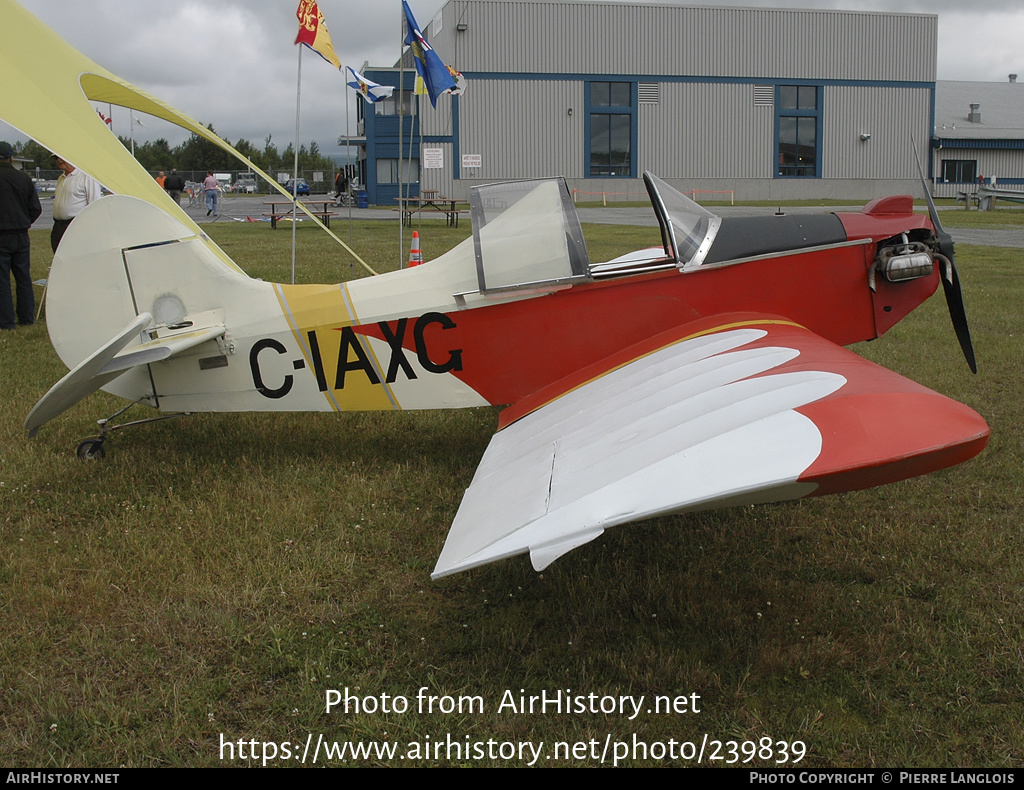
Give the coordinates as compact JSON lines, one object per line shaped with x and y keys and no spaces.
{"x":737,"y":416}
{"x":681,"y":428}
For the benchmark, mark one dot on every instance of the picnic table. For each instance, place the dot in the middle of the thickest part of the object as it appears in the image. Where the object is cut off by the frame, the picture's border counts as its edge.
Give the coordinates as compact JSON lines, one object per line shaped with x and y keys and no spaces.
{"x":323,"y":213}
{"x":430,"y":201}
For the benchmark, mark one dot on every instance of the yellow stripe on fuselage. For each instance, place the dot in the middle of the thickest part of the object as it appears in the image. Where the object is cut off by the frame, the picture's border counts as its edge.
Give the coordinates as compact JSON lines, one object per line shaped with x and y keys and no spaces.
{"x":321,"y":317}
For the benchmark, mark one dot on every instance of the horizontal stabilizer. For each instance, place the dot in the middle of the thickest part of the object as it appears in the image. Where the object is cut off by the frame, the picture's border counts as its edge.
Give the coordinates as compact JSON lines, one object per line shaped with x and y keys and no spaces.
{"x":109,"y":362}
{"x":159,"y":350}
{"x":85,"y":378}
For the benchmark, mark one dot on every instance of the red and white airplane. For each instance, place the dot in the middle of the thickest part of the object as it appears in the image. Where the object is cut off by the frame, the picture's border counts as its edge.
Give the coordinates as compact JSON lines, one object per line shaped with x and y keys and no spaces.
{"x":706,"y":373}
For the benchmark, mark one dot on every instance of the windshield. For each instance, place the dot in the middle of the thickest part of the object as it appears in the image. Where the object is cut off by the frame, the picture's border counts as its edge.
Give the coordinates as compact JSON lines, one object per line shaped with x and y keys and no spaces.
{"x":525,"y":234}
{"x":687,"y":229}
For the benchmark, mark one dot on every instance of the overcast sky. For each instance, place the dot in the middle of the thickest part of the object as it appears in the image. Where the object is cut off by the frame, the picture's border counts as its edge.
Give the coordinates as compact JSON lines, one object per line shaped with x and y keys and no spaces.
{"x":232,"y":63}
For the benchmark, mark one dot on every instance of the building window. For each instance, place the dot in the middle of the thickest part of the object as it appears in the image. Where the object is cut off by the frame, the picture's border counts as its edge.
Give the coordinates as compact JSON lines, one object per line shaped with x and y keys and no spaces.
{"x":389,"y":106}
{"x":798,"y":126}
{"x":387,"y":171}
{"x":960,"y":171}
{"x":611,"y":94}
{"x":611,"y":129}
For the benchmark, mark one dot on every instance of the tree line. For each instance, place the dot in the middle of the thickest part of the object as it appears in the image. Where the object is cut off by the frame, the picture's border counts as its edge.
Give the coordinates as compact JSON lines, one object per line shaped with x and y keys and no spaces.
{"x":197,"y":153}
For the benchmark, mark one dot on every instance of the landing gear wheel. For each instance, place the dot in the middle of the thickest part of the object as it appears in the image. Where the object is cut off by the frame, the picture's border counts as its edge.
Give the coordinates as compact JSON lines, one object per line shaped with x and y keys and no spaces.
{"x":91,"y":450}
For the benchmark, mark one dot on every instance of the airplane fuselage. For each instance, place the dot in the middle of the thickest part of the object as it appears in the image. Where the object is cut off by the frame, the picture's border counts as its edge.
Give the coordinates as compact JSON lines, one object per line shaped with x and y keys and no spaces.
{"x":504,"y":351}
{"x":431,"y":337}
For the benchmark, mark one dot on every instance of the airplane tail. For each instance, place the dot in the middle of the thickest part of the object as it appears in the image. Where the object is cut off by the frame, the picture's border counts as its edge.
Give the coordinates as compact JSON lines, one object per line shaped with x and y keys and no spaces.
{"x":131,"y":285}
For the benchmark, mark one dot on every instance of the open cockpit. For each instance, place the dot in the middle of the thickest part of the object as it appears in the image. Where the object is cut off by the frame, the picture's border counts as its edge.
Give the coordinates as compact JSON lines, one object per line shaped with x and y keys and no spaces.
{"x":527,"y":236}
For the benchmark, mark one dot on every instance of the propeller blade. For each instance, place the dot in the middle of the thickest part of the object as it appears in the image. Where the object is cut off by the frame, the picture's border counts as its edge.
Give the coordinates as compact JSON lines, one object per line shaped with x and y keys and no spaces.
{"x":955,"y":302}
{"x":950,"y":278}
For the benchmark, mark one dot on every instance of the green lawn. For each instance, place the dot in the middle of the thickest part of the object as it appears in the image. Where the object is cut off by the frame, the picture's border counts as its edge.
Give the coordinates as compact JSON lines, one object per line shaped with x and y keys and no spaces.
{"x":214,"y":577}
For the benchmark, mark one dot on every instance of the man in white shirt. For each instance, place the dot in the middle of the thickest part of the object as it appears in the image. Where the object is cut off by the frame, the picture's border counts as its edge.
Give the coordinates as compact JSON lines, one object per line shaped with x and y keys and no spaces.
{"x":75,"y":191}
{"x":212,"y":188}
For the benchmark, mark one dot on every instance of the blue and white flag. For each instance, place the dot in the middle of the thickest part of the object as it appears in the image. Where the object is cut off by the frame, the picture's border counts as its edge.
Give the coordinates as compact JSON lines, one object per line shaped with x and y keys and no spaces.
{"x":370,"y":91}
{"x":435,"y":74}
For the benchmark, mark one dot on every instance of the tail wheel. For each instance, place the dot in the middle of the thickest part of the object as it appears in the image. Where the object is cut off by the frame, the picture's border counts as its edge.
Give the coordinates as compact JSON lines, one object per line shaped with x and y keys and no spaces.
{"x":91,"y":450}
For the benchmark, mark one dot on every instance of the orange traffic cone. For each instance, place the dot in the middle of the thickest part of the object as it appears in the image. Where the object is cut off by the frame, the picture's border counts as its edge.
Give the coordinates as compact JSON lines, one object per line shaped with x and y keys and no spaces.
{"x":415,"y":256}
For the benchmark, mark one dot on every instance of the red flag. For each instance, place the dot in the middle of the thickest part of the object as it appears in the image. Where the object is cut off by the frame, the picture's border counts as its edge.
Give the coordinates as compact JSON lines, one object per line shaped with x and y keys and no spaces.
{"x":313,"y":32}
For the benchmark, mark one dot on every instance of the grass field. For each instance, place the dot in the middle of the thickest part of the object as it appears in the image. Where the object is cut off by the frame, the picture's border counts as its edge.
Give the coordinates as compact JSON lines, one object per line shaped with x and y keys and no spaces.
{"x":214,"y":577}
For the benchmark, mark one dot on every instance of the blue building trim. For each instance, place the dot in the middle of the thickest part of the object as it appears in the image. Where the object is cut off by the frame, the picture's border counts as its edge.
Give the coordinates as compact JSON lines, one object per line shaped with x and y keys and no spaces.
{"x":987,"y":145}
{"x":456,"y":152}
{"x":763,"y":80}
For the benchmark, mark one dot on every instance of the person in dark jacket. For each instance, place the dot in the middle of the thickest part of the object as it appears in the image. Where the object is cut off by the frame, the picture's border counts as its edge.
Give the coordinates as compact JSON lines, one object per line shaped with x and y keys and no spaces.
{"x":19,"y":208}
{"x":175,"y":185}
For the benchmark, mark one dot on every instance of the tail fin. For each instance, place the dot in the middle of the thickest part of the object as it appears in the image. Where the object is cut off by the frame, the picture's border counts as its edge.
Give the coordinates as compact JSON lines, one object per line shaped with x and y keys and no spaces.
{"x":131,"y":285}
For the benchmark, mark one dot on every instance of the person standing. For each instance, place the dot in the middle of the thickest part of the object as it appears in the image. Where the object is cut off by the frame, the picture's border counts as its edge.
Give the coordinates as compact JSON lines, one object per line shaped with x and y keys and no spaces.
{"x":161,"y":179}
{"x":75,"y":191}
{"x":175,"y":185}
{"x":212,"y":187}
{"x":19,"y":208}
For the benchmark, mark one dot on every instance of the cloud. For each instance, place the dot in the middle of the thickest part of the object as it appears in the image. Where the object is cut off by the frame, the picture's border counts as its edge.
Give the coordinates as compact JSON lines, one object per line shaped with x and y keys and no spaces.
{"x":231,"y":63}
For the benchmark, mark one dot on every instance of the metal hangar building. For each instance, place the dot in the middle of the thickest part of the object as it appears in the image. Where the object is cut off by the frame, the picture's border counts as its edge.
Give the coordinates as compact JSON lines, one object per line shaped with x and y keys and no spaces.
{"x":979,"y":133}
{"x":764,"y":103}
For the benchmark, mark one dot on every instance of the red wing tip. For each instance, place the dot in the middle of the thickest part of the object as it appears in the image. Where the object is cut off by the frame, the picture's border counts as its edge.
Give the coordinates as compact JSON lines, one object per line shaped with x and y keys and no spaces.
{"x":874,"y":439}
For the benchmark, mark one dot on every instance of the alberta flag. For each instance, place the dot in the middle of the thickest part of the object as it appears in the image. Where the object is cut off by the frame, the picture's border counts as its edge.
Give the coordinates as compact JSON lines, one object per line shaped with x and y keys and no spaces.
{"x":370,"y":91}
{"x":313,"y":32}
{"x":429,"y":66}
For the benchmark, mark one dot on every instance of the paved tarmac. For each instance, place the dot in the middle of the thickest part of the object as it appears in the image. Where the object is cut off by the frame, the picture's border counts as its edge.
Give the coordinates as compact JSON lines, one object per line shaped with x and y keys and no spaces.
{"x":237,"y":208}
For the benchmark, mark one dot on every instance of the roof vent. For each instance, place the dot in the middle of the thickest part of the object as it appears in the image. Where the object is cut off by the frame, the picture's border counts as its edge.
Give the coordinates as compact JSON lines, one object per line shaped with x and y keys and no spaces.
{"x":974,"y":116}
{"x":1013,"y":78}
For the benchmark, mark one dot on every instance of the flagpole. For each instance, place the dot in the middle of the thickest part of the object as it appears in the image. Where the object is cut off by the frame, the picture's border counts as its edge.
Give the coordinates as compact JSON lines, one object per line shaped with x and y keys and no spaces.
{"x":348,"y":183}
{"x":436,"y":77}
{"x":419,"y":118}
{"x":401,"y":89}
{"x":295,"y":174}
